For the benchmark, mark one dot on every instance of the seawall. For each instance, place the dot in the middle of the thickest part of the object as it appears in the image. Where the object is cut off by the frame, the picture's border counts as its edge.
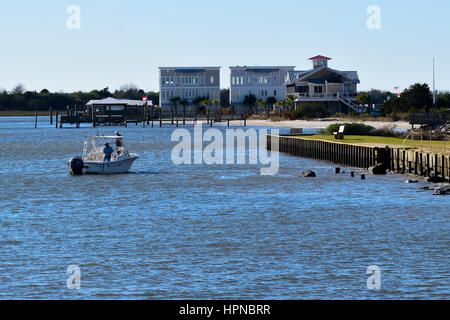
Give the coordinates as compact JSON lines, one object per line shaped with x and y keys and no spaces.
{"x":398,"y":160}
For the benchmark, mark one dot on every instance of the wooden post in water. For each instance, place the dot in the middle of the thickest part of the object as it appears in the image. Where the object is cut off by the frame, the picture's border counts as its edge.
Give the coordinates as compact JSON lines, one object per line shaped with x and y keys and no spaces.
{"x":416,"y":163}
{"x":56,"y":119}
{"x":404,"y":162}
{"x":421,"y":164}
{"x":435,"y":166}
{"x":35,"y":119}
{"x":51,"y":115}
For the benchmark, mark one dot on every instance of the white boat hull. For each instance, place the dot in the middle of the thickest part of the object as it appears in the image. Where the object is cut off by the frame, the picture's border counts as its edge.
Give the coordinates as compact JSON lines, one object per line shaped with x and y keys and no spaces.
{"x":121,"y":165}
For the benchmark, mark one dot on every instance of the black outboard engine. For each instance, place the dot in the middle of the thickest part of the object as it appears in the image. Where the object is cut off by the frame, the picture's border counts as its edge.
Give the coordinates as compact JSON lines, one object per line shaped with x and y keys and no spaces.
{"x":76,"y":166}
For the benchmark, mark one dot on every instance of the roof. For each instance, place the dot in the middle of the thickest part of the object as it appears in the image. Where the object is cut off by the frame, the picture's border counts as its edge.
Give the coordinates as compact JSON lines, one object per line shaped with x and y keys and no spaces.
{"x":352,"y":75}
{"x":298,"y":75}
{"x":189,"y":69}
{"x":262,"y":67}
{"x":319,"y":58}
{"x":113,"y":101}
{"x":108,"y":137}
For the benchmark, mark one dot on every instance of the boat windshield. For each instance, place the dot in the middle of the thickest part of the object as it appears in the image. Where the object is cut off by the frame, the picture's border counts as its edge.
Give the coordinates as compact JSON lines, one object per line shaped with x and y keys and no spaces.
{"x":93,"y":147}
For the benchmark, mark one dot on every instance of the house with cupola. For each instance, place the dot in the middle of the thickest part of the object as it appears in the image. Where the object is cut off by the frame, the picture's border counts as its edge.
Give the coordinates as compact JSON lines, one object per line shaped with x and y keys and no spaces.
{"x":335,"y":89}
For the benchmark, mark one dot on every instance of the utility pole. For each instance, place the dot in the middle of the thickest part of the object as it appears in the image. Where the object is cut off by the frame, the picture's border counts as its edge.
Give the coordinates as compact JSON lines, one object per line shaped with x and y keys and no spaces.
{"x":434,"y":83}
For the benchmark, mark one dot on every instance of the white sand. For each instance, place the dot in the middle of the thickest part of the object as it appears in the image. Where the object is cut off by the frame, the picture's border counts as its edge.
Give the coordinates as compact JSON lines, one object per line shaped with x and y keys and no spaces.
{"x":315,"y":124}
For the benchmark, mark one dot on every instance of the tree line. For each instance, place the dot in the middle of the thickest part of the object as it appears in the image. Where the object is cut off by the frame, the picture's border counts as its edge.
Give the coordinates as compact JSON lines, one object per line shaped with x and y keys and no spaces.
{"x":418,"y":97}
{"x":21,"y":99}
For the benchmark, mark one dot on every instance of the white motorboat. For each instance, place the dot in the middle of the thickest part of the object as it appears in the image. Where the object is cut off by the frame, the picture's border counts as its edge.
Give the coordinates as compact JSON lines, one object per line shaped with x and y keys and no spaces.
{"x":94,"y":160}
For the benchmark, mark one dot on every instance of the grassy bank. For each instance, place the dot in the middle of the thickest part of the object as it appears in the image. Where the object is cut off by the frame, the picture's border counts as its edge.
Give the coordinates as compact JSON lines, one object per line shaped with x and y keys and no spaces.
{"x":433,"y":146}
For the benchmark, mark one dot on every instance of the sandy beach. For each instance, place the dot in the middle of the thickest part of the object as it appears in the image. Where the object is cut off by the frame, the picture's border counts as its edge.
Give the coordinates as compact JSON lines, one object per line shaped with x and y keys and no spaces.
{"x":317,"y":124}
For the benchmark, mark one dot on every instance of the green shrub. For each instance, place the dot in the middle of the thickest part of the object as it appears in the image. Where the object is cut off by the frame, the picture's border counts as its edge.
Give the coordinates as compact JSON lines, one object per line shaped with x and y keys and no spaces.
{"x":395,"y":116}
{"x":386,"y":131}
{"x":356,"y":129}
{"x":309,"y":111}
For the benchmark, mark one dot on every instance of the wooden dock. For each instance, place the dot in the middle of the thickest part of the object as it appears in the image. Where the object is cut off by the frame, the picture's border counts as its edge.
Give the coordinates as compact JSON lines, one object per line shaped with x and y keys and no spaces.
{"x":147,"y":116}
{"x":432,"y":119}
{"x":434,"y":166}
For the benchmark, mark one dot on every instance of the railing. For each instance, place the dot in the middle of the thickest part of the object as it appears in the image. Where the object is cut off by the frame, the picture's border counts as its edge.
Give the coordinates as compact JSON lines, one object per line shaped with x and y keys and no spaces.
{"x":429,"y":118}
{"x":322,"y":95}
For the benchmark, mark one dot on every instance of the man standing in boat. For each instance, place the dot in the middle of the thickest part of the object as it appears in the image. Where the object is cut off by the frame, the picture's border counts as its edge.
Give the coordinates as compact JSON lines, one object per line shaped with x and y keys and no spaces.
{"x":107,"y":150}
{"x":118,"y":143}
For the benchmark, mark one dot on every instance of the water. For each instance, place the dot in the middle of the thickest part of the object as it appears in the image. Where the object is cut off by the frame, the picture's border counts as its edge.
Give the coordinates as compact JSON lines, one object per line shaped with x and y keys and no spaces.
{"x":208,"y":232}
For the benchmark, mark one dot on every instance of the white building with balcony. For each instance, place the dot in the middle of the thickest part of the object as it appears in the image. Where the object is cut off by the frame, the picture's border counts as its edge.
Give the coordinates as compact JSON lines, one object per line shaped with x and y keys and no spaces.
{"x":188,"y":83}
{"x":262,"y":82}
{"x":337,"y":90}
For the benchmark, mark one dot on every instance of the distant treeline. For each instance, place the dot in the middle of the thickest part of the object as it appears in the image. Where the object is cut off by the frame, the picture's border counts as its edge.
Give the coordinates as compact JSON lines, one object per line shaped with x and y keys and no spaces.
{"x":20,"y":99}
{"x":418,"y":98}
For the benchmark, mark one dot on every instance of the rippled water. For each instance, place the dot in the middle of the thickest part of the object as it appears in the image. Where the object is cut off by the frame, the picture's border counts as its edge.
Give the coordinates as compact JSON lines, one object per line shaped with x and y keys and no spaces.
{"x":208,"y":232}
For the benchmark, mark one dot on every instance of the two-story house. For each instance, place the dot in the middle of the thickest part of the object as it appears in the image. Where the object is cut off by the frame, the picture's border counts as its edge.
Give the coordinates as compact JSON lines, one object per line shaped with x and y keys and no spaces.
{"x":337,"y":90}
{"x":262,"y":82}
{"x":188,"y":83}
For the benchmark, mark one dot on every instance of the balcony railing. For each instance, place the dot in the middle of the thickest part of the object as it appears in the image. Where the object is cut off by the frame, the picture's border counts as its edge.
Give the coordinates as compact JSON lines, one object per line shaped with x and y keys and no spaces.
{"x":298,"y":95}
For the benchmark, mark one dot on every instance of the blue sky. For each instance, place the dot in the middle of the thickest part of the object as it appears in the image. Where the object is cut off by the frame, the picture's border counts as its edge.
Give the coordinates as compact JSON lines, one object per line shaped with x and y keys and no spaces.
{"x":125,"y":41}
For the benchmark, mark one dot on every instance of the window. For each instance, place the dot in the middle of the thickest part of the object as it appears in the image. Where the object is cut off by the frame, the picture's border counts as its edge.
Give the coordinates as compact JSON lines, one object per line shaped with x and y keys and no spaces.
{"x":233,"y":82}
{"x":249,"y":80}
{"x":212,"y":79}
{"x":242,"y":81}
{"x":274,"y":93}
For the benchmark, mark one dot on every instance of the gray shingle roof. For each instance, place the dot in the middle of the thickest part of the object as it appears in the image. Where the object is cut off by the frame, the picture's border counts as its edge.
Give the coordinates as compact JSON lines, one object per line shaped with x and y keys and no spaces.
{"x":297,"y":74}
{"x":113,"y":101}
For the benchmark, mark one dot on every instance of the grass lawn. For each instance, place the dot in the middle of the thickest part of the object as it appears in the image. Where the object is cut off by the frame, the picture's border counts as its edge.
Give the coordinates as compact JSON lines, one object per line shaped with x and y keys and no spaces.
{"x":434,"y":146}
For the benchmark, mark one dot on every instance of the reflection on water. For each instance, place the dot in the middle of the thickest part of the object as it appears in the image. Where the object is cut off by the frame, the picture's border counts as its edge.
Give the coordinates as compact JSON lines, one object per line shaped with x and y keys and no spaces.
{"x":195,"y":232}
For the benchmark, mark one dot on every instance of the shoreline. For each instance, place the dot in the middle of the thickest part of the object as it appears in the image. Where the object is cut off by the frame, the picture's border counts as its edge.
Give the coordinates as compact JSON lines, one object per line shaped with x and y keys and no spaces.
{"x":305,"y":124}
{"x":317,"y":124}
{"x":15,"y":113}
{"x":378,"y":160}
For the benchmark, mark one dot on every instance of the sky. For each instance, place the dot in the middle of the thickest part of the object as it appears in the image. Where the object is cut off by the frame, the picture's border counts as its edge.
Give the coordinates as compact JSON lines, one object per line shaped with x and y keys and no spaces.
{"x":121,"y":42}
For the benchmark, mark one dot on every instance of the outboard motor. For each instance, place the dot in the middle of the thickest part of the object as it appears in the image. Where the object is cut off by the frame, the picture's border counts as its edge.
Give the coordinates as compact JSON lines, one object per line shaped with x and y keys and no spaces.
{"x":76,"y":166}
